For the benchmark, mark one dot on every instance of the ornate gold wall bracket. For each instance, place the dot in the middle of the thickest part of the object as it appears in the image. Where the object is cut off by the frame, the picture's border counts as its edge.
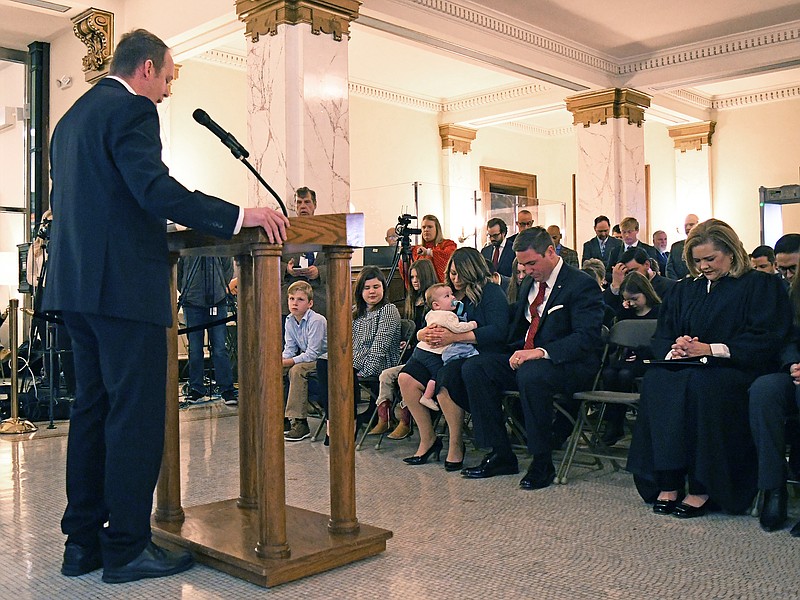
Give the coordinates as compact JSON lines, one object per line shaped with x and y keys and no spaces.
{"x":617,"y":103}
{"x":693,"y":135}
{"x":95,"y":28}
{"x":331,"y":17}
{"x":457,"y":138}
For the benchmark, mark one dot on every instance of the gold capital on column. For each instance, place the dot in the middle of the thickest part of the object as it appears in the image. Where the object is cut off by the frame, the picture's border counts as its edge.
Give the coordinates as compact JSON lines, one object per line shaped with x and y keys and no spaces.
{"x":95,"y":28}
{"x":331,"y":17}
{"x":692,"y":136}
{"x":601,"y":105}
{"x":459,"y":139}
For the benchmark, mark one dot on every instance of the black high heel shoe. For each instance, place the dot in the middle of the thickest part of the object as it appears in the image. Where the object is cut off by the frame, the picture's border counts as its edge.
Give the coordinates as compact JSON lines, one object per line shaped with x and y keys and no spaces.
{"x":436,"y":448}
{"x":456,"y":466}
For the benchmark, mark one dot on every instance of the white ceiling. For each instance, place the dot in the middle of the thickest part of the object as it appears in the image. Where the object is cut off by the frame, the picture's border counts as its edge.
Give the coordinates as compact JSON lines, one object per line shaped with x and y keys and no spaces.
{"x":419,"y":49}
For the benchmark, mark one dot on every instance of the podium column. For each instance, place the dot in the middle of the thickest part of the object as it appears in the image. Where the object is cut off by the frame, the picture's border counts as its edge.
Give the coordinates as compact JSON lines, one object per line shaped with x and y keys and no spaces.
{"x":271,"y":470}
{"x":247,"y":335}
{"x":340,"y":393}
{"x":168,"y":490}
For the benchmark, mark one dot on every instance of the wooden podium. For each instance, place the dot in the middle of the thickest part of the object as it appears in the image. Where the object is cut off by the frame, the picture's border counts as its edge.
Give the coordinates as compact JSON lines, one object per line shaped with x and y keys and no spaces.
{"x":256,"y":536}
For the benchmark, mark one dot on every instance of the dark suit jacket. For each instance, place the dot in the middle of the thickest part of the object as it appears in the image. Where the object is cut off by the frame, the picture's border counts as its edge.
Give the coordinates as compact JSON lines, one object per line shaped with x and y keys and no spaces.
{"x":619,"y":250}
{"x":570,"y":256}
{"x":676,"y":267}
{"x":571,"y":322}
{"x":111,"y":197}
{"x":507,"y":257}
{"x":591,"y":249}
{"x":662,"y":261}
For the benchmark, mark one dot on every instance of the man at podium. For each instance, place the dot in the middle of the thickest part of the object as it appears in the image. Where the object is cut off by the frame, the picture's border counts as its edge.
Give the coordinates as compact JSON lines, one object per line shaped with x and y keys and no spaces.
{"x":109,"y":276}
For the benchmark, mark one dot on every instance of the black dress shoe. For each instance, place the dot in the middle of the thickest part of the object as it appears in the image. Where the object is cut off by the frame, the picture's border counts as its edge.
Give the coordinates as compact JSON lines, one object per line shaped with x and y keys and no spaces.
{"x":773,"y":510}
{"x":665,"y":507}
{"x":491,"y":465}
{"x":79,"y":560}
{"x":795,"y":531}
{"x":154,"y":561}
{"x":687,"y":511}
{"x":539,"y":475}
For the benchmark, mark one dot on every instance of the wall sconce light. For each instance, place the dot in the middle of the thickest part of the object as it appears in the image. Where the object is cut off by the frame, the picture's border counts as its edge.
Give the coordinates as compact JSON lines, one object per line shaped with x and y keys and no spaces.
{"x":64,"y":82}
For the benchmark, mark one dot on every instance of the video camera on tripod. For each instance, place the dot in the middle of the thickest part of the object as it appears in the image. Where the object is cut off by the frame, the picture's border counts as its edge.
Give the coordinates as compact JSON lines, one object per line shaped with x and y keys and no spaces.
{"x":403,"y":231}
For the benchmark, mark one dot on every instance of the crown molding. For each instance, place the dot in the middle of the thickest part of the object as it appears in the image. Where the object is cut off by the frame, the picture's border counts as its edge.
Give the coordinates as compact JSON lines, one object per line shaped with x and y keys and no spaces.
{"x":224,"y":59}
{"x":536,"y":131}
{"x":382,"y":95}
{"x":736,"y":101}
{"x":756,"y":39}
{"x":522,"y":33}
{"x":758,"y":97}
{"x":523,"y":91}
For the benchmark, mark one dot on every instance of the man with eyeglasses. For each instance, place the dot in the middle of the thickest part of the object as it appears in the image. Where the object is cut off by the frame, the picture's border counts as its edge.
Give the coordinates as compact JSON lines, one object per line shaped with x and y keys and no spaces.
{"x":498,"y":252}
{"x":524,"y":220}
{"x":787,"y":253}
{"x":773,"y":397}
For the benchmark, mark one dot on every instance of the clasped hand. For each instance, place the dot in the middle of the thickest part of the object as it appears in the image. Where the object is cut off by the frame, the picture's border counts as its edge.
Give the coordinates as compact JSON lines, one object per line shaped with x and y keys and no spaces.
{"x":689,"y":347}
{"x":520,"y":356}
{"x":437,"y":336}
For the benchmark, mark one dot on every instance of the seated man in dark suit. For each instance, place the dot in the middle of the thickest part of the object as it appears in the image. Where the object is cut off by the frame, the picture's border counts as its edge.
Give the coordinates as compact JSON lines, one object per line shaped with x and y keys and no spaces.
{"x":554,"y":348}
{"x":634,"y":259}
{"x":602,"y":244}
{"x":498,"y":252}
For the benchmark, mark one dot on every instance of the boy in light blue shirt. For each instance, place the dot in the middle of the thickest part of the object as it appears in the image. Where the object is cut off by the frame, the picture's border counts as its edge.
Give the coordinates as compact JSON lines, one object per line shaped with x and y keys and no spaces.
{"x":305,"y":338}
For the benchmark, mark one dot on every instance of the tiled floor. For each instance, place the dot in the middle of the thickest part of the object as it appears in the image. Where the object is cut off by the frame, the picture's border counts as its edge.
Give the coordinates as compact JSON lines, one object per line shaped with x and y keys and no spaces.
{"x":453,"y":538}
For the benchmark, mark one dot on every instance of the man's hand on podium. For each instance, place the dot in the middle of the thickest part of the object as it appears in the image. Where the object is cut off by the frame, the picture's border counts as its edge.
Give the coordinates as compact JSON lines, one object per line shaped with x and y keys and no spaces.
{"x":272,"y":221}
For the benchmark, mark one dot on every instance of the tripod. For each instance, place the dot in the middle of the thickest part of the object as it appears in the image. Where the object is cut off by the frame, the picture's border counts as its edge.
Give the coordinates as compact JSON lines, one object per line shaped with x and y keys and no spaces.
{"x":402,"y":251}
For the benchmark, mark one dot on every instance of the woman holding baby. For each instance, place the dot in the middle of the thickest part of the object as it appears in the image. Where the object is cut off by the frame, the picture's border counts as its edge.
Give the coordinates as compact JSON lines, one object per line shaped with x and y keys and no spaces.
{"x":484,"y":302}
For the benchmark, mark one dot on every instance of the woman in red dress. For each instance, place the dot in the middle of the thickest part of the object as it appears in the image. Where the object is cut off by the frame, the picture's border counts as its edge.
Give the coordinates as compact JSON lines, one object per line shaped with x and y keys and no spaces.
{"x":434,"y":246}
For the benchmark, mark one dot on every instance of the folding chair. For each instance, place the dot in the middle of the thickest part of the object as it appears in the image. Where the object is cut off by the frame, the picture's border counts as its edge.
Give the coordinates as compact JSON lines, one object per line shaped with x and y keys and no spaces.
{"x":633,"y":334}
{"x":407,"y":330}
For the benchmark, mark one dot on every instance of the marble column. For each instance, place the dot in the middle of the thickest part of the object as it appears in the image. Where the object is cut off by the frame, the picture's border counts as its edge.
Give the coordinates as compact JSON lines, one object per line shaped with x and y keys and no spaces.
{"x":459,"y":221}
{"x":692,"y":170}
{"x":298,"y":112}
{"x":610,"y":177}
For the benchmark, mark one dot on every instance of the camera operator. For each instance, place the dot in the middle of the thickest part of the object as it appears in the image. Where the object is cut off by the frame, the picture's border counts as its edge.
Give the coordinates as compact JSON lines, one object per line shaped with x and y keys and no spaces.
{"x":36,"y":275}
{"x":434,"y":245}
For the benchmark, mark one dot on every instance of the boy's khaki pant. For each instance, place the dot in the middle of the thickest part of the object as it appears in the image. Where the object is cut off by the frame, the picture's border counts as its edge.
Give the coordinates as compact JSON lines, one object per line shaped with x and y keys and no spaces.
{"x":297,"y":401}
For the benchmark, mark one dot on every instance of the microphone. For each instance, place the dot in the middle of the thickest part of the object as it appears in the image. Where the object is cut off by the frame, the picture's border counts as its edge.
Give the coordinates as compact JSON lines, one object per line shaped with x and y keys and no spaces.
{"x":226,"y":138}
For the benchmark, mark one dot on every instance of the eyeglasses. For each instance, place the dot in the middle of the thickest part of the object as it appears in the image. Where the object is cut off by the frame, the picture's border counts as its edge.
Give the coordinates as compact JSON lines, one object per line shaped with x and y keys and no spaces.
{"x":786,"y":270}
{"x":494,"y":235}
{"x":524,"y":223}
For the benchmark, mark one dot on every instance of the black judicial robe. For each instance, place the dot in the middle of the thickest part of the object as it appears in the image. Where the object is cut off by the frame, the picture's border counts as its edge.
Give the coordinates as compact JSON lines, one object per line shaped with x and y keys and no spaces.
{"x":695,"y":418}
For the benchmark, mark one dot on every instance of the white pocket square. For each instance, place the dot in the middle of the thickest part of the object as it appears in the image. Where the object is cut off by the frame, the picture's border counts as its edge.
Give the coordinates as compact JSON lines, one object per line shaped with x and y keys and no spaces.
{"x":555,"y":308}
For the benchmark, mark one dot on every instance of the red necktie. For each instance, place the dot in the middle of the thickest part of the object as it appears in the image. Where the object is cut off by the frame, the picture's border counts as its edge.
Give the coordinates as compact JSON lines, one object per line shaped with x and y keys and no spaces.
{"x":529,"y":345}
{"x":496,"y":257}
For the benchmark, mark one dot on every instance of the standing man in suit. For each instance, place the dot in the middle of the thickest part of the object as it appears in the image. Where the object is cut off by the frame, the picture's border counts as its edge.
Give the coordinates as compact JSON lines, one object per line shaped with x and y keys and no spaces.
{"x":498,"y":251}
{"x":602,"y":244}
{"x":629,"y":227}
{"x":662,"y":254}
{"x":568,"y":254}
{"x":310,"y":266}
{"x":554,"y":347}
{"x":676,"y":266}
{"x":109,"y":276}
